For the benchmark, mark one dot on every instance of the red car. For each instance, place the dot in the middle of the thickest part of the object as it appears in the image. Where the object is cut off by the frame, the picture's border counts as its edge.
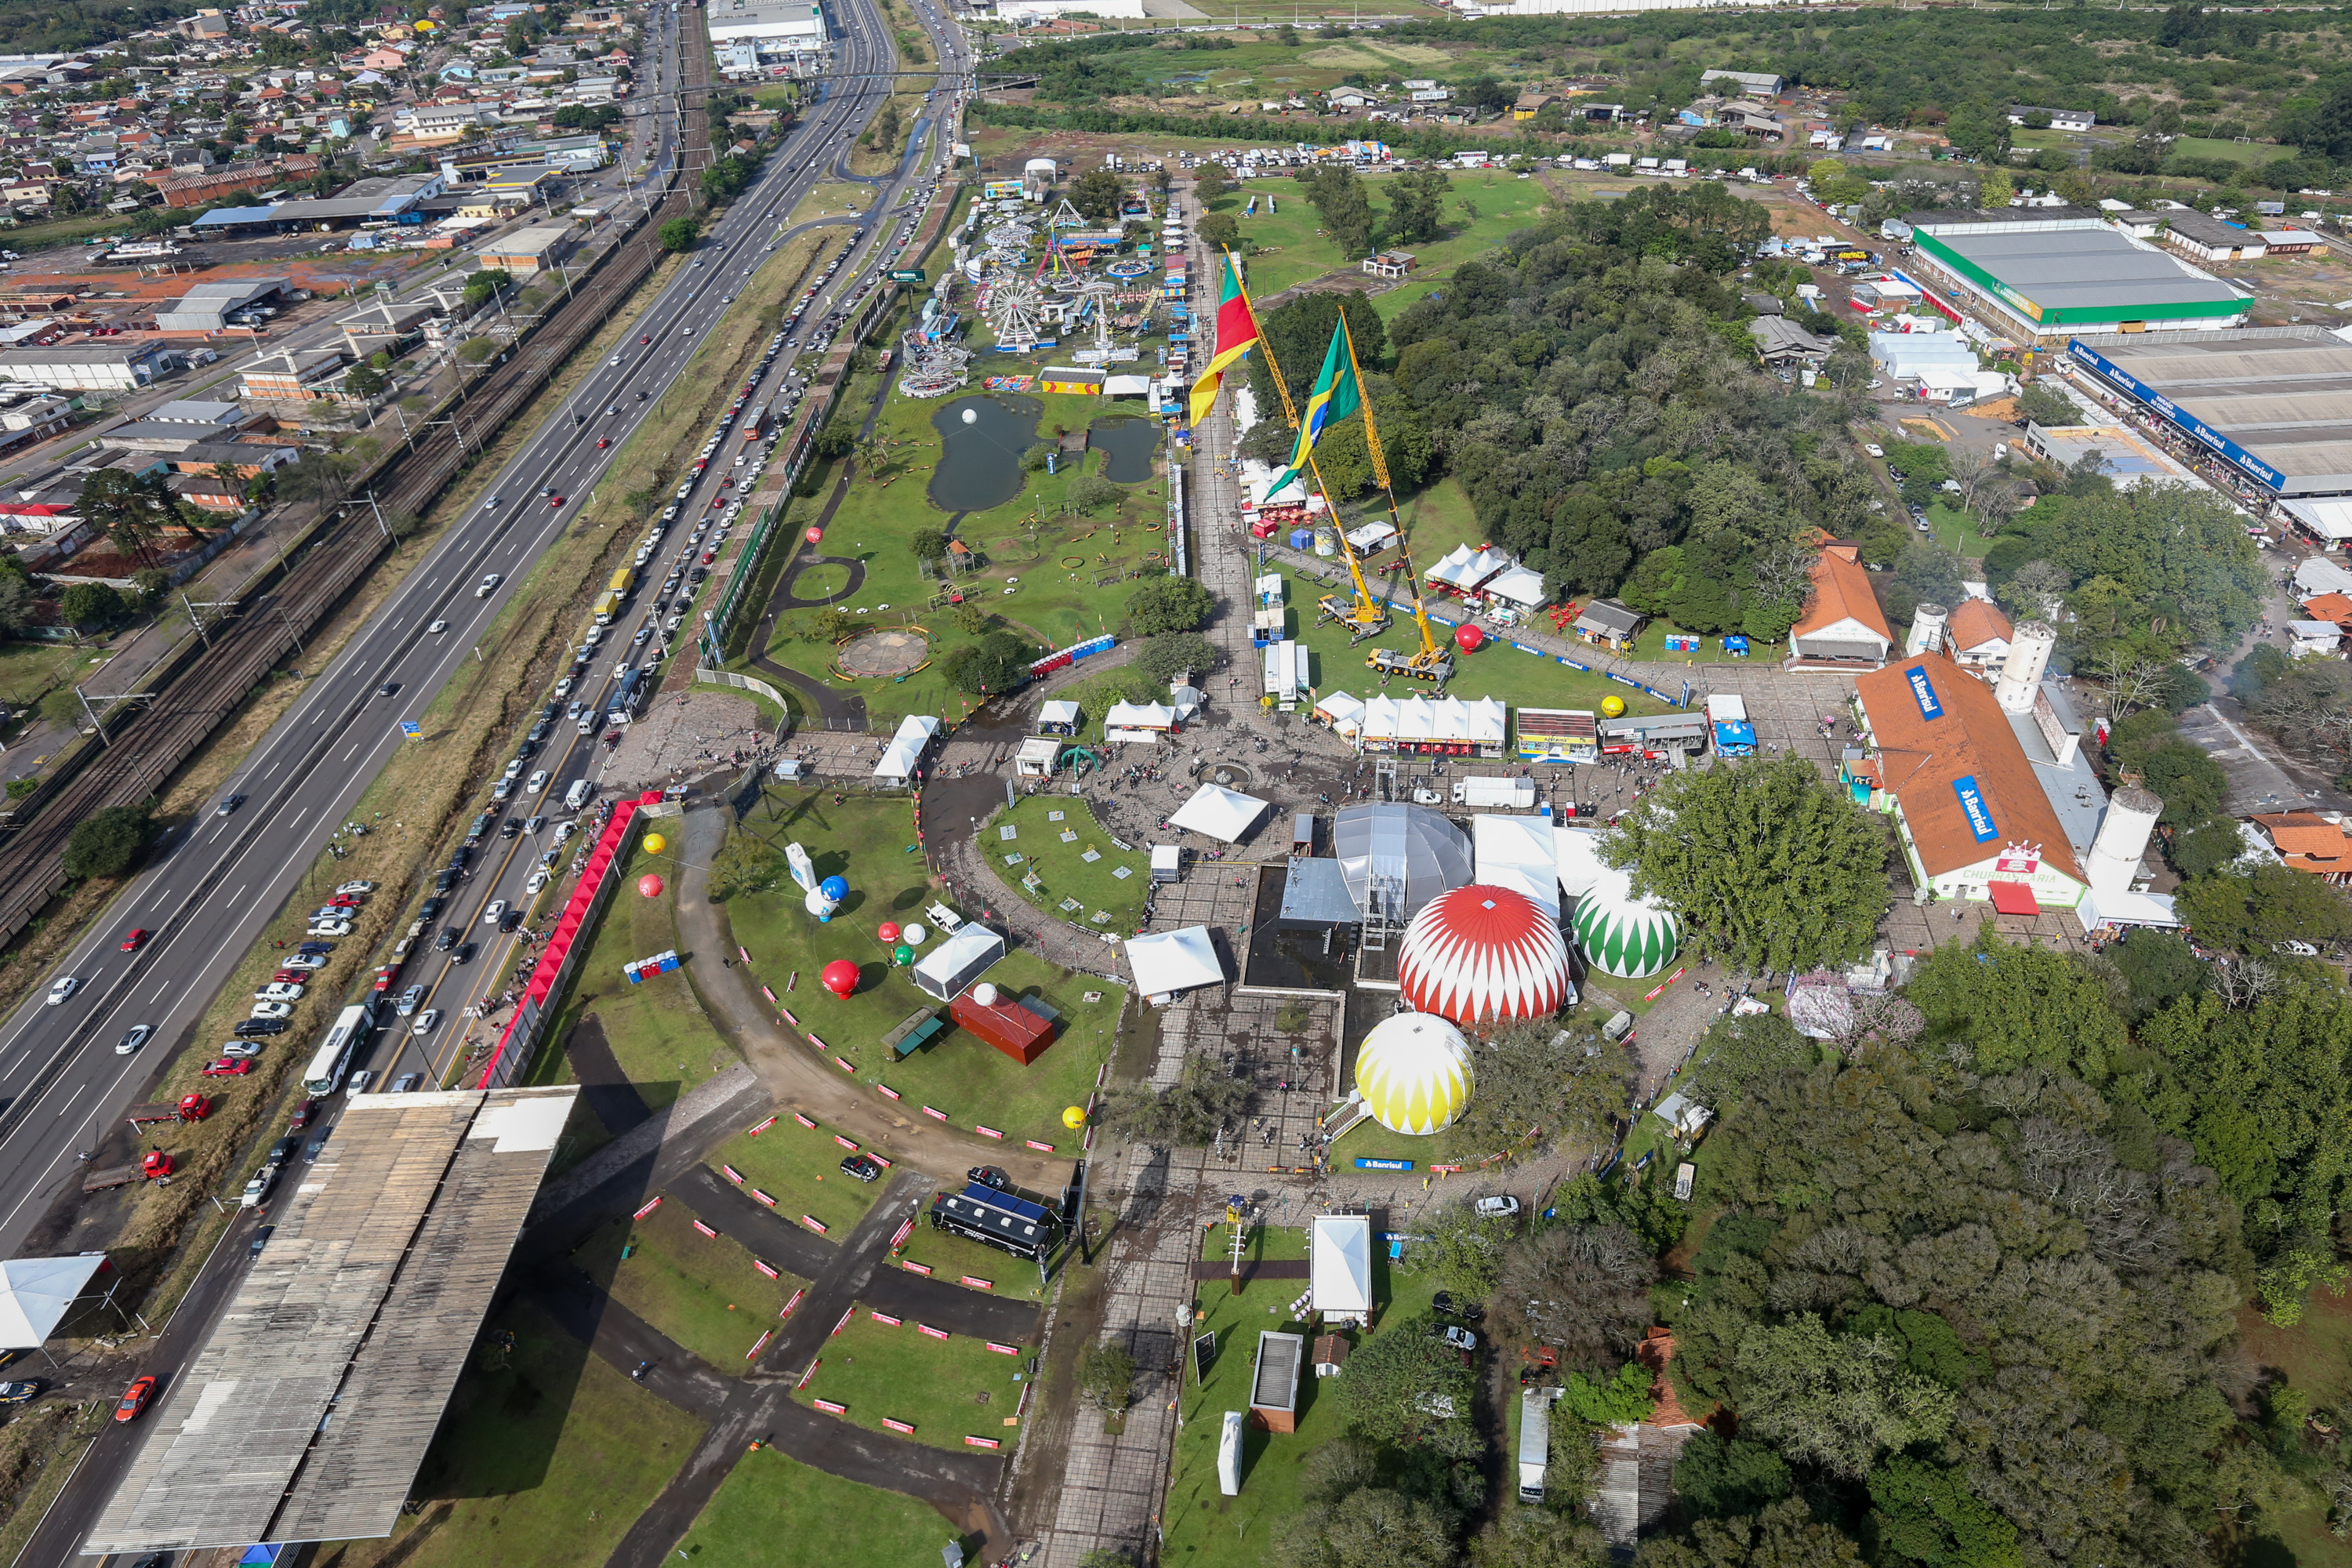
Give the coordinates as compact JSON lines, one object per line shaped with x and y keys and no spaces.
{"x":346,"y":902}
{"x":225,"y":1067}
{"x":554,"y":503}
{"x":643,"y":341}
{"x":134,"y":1399}
{"x":291,"y":977}
{"x":708,"y":557}
{"x":603,"y":442}
{"x":135,"y":939}
{"x":302,"y":1114}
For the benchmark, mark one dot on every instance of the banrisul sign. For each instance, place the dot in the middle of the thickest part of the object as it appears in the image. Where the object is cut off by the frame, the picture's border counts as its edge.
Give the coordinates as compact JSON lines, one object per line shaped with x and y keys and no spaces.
{"x":1924,"y":690}
{"x":1972,"y":806}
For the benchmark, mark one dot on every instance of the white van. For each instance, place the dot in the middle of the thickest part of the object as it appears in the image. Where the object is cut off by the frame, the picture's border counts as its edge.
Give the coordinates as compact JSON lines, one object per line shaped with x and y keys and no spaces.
{"x":577,"y":796}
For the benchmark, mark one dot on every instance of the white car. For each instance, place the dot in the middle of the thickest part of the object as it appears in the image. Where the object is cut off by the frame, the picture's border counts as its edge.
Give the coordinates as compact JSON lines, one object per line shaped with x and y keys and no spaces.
{"x":497,"y":910}
{"x":536,"y":880}
{"x":489,"y":585}
{"x":563,"y":687}
{"x":241,"y":1050}
{"x":312,"y":961}
{"x":273,"y":1010}
{"x":279,"y":991}
{"x":1502,"y":1206}
{"x":63,"y":989}
{"x":536,"y":784}
{"x":426,"y":1022}
{"x":359,"y":886}
{"x":1873,"y":449}
{"x":329,"y":928}
{"x":563,"y":831}
{"x":490,"y":503}
{"x":437,"y":627}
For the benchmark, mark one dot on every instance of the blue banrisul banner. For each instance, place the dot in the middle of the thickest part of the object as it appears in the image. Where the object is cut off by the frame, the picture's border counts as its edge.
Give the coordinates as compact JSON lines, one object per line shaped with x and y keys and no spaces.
{"x":1972,"y":804}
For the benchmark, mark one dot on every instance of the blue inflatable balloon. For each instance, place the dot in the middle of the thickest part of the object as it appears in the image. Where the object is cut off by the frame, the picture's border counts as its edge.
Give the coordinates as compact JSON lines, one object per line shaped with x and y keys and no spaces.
{"x":835,"y":887}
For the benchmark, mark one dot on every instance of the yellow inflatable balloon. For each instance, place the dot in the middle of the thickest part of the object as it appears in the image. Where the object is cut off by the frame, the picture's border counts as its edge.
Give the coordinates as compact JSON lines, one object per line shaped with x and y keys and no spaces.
{"x":656,"y":842}
{"x":1612,"y":707}
{"x":1073,"y":1117}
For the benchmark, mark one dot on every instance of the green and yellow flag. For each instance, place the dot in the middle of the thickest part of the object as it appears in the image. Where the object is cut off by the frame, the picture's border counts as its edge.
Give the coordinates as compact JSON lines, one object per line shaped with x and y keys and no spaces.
{"x":1336,"y":394}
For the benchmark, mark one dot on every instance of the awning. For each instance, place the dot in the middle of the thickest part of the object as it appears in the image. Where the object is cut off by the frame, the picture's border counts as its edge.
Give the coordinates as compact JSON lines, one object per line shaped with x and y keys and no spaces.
{"x":36,"y":1292}
{"x":1167,"y":962}
{"x":2013,"y":898}
{"x":915,"y":733}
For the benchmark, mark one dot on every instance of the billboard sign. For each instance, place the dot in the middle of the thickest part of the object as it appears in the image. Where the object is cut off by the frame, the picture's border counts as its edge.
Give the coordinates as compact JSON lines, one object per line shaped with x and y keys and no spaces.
{"x":1973,"y":807}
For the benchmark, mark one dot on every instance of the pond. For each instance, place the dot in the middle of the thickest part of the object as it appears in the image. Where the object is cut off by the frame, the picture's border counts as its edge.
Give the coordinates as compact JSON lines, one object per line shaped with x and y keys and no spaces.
{"x":1129,"y":446}
{"x":979,"y":462}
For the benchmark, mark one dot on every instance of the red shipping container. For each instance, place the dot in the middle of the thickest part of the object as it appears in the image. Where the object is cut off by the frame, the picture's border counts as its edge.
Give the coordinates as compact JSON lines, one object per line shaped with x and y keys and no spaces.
{"x":1005,"y":1023}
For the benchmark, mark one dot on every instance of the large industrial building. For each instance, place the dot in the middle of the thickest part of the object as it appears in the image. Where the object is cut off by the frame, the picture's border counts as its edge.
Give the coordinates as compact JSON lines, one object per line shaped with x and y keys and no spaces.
{"x":2274,"y":403}
{"x":2042,"y":279}
{"x":759,"y":31}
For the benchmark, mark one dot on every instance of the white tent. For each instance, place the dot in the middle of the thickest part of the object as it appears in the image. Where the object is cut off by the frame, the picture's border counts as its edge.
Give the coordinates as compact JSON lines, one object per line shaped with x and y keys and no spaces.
{"x":1344,"y":713}
{"x":906,"y":749}
{"x":1059,"y":711}
{"x":36,"y":1294}
{"x":1576,"y":857}
{"x":1167,"y":962}
{"x":1518,"y":853}
{"x":1140,"y":716}
{"x":956,"y":962}
{"x":2326,"y":518}
{"x":1221,"y":814}
{"x":1340,"y":1266}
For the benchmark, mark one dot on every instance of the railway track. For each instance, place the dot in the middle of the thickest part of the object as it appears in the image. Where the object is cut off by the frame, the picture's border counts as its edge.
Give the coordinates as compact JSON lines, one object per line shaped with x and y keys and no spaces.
{"x":134,"y":761}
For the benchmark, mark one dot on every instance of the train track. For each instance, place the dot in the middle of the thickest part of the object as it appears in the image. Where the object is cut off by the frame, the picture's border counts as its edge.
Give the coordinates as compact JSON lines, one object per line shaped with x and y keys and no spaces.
{"x":131,"y":764}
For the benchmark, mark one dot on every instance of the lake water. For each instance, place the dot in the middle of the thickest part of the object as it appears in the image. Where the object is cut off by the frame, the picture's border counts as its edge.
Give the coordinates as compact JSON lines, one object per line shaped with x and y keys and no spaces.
{"x":1129,"y":443}
{"x":980,"y":463}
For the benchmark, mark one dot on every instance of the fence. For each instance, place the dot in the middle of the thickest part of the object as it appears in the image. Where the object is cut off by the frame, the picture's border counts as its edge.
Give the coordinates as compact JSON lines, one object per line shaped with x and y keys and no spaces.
{"x":741,"y":683}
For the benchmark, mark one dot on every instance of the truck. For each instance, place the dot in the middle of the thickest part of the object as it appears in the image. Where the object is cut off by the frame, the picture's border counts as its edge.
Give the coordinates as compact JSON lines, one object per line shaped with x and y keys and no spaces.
{"x":607,"y":605}
{"x":153,"y":1166}
{"x":1519,"y":794}
{"x":1535,"y":1440}
{"x":624,"y":583}
{"x":188,"y":1108}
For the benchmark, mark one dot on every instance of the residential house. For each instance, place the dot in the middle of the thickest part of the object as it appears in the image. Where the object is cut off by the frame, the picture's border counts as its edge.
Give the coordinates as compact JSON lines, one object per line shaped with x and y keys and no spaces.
{"x":2060,"y":119}
{"x":1977,"y":635}
{"x":1352,"y":97}
{"x":2315,"y":842}
{"x":1527,"y":105}
{"x":294,"y":375}
{"x":203,"y":25}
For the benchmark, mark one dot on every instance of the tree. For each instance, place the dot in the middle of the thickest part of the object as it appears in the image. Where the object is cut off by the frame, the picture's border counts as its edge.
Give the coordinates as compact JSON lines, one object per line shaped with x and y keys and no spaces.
{"x":1170,"y":655}
{"x":1766,"y":866}
{"x":1581,"y":1289}
{"x":1716,"y":1477}
{"x":1211,"y":179}
{"x":1416,"y":205}
{"x":319,"y":477}
{"x":1540,"y":1537}
{"x":1923,"y":1513}
{"x":1463,"y":1249}
{"x":133,"y":509}
{"x":1620,"y":1401}
{"x":110,"y":842}
{"x":1221,"y":230}
{"x":483,"y":284}
{"x":678,"y":234}
{"x":838,"y":439}
{"x":1372,"y":1528}
{"x":1286,"y":35}
{"x":1189,"y":1112}
{"x":1836,"y":1401}
{"x":1097,"y":194}
{"x":1169,"y":605}
{"x":89,"y":607}
{"x":1739,"y":1050}
{"x":2256,"y":911}
{"x":2045,"y":408}
{"x":1404,"y":1386}
{"x":2019,"y":1006}
{"x":1091,"y":493}
{"x":363,"y":381}
{"x":1346,"y":211}
{"x":1539,"y":1083}
{"x":927,"y":543}
{"x":1107,"y":1376}
{"x":996,"y":663}
{"x":17,"y":598}
{"x":1783,"y":1536}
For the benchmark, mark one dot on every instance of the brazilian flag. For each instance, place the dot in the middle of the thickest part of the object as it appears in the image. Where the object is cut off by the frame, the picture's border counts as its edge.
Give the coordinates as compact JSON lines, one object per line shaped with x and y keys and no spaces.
{"x":1336,"y":394}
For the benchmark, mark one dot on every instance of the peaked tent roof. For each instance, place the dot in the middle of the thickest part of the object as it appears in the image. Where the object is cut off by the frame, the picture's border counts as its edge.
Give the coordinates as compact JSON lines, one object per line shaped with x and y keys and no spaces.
{"x":1340,"y":1264}
{"x":1165,"y":963}
{"x":1220,"y":813}
{"x":35,"y":1293}
{"x":915,"y":733}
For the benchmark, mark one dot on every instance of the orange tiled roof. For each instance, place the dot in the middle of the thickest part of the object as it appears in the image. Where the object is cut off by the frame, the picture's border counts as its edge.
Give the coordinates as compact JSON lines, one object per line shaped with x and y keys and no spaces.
{"x":1842,"y":592}
{"x":2328,"y":608}
{"x":2308,"y":842}
{"x":1920,"y":758}
{"x":1976,"y":622}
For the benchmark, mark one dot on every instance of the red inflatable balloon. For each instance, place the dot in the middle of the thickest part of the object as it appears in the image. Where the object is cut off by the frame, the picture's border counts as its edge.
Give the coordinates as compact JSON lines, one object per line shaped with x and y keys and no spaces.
{"x":888,"y":930}
{"x":650,"y":885}
{"x":813,"y":534}
{"x":1469,"y":640}
{"x":840,"y":977}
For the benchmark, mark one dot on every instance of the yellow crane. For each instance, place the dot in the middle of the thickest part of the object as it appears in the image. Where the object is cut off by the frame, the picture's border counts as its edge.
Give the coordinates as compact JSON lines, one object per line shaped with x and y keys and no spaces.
{"x":1368,"y":616}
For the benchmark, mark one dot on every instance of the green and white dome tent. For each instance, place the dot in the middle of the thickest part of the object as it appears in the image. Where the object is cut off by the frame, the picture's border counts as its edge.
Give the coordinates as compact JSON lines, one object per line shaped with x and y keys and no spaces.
{"x":1623,"y":936}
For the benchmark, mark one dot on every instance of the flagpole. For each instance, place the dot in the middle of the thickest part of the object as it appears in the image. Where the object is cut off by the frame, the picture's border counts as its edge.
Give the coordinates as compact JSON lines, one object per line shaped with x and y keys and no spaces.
{"x":1381,"y":472}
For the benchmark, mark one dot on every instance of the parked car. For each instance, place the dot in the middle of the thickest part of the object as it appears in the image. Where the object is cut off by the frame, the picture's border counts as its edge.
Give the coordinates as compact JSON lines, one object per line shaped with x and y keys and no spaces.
{"x":273,"y":1010}
{"x":236,"y":1050}
{"x":859,"y":1167}
{"x":1459,"y":1337}
{"x":226,"y":1068}
{"x":1447,"y":1306}
{"x":249,"y":1028}
{"x":1501,"y":1206}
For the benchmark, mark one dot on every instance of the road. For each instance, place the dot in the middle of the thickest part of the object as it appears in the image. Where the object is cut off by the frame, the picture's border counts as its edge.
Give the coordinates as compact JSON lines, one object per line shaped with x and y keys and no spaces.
{"x":214,"y":887}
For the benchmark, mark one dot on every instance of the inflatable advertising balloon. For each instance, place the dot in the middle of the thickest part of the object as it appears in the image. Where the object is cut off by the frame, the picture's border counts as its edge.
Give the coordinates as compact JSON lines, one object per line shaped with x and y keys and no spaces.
{"x":913,"y":934}
{"x":834,"y":887}
{"x":656,"y":844}
{"x":887,"y":931}
{"x":650,"y":885}
{"x":1613,"y":708}
{"x":1073,"y":1117}
{"x":840,"y":977}
{"x":817,"y":904}
{"x":902,"y":955}
{"x":804,"y":870}
{"x":813,"y":534}
{"x":1469,"y":640}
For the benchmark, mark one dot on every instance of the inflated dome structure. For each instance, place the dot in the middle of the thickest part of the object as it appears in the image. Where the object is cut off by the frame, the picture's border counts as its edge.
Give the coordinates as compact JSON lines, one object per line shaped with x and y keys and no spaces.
{"x":1413,"y":1071}
{"x":1621,"y":935}
{"x":1397,"y":857}
{"x":1482,"y":953}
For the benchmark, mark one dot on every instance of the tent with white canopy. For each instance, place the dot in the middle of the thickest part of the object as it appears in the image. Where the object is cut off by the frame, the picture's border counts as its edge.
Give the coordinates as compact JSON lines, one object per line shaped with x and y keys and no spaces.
{"x":906,"y":749}
{"x":36,"y":1294}
{"x":1167,"y":963}
{"x":1220,"y":813}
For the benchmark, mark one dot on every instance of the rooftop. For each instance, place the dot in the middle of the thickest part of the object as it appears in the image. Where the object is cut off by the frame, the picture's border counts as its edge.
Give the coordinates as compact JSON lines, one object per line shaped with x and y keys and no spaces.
{"x":2283,"y":394}
{"x":2065,"y":264}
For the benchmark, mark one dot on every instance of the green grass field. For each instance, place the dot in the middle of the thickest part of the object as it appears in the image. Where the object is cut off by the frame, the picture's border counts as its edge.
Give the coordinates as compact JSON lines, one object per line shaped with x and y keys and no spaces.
{"x":774,"y":1512}
{"x":946,"y":1389}
{"x":951,"y":1257}
{"x":699,"y":1290}
{"x":1956,"y":531}
{"x":546,"y":1455}
{"x":1288,"y":248}
{"x":801,"y":1170}
{"x":1062,"y":870}
{"x":1205,"y":1528}
{"x":659,"y":1032}
{"x":866,"y":841}
{"x":2253,"y":152}
{"x":33,"y":678}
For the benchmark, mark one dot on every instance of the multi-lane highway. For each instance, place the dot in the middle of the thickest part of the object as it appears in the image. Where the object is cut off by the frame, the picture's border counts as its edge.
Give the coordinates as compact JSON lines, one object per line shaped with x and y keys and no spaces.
{"x":213,"y":888}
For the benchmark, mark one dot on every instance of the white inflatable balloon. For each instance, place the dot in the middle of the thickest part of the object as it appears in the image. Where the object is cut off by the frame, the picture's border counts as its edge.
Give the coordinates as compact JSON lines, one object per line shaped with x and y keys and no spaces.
{"x":984,"y":994}
{"x":913,"y":934}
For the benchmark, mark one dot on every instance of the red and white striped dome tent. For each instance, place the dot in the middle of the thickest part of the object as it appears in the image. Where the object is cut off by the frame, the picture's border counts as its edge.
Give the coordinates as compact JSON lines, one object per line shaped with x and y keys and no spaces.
{"x":1482,"y":953}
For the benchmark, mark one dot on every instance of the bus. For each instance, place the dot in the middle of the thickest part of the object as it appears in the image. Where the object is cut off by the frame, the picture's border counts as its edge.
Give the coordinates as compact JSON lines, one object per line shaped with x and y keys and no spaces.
{"x":325,"y":1073}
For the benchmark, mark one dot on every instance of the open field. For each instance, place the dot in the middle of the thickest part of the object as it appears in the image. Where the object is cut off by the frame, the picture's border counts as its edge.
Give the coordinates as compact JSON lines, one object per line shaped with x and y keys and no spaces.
{"x":1288,"y":247}
{"x":945,"y":1389}
{"x":546,"y":1455}
{"x":801,"y":1169}
{"x":700,"y":1290}
{"x":774,"y":1512}
{"x":1054,"y":834}
{"x":868,"y":841}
